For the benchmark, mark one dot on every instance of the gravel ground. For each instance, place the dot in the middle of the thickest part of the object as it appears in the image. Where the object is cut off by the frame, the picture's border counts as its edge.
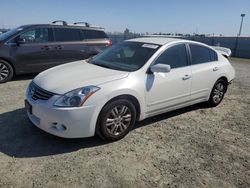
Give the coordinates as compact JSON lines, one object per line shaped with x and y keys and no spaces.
{"x":191,"y":147}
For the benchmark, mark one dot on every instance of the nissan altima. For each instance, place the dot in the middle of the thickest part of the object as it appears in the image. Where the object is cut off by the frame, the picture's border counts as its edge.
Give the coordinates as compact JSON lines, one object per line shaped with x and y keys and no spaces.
{"x":139,"y":78}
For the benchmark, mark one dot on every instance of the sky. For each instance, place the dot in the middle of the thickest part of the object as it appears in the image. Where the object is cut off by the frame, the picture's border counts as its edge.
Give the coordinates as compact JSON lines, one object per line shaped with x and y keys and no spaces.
{"x":166,"y":16}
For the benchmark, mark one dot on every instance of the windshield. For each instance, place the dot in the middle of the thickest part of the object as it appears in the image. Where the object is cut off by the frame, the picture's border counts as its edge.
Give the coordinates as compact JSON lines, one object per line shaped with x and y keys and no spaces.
{"x":127,"y":56}
{"x":10,"y":33}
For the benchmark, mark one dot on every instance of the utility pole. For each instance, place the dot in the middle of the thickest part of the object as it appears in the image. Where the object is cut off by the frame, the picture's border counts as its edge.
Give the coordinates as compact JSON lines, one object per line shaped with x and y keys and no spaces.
{"x":237,"y":38}
{"x":241,"y":23}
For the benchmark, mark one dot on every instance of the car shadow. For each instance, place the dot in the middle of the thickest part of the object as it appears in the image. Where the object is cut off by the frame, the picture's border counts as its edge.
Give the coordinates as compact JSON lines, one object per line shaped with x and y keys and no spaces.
{"x":21,"y":139}
{"x":167,"y":115}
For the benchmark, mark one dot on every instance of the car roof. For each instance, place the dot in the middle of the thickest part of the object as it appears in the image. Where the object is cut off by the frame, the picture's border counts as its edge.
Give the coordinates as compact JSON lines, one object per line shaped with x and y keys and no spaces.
{"x":157,"y":40}
{"x":62,"y":26}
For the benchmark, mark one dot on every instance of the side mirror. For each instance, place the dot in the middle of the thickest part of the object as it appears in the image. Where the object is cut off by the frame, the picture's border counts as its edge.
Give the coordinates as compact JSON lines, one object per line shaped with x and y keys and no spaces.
{"x":21,"y":41}
{"x":164,"y":68}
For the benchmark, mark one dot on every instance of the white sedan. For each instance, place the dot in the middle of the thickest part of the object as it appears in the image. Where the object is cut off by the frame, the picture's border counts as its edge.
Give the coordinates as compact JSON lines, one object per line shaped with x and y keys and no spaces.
{"x":131,"y":81}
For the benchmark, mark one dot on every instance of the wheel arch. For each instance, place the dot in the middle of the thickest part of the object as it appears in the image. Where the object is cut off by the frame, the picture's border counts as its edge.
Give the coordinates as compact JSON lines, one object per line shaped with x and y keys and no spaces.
{"x":225,"y":79}
{"x":131,"y":98}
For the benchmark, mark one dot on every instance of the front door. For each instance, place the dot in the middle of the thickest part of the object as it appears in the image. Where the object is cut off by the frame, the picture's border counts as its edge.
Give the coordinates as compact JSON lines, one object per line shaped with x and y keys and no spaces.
{"x":36,"y":52}
{"x":166,"y":90}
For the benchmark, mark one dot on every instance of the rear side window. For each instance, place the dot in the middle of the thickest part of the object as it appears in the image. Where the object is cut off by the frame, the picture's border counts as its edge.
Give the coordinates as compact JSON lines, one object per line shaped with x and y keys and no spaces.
{"x":201,"y":54}
{"x":64,"y":34}
{"x":175,"y":56}
{"x":94,"y":34}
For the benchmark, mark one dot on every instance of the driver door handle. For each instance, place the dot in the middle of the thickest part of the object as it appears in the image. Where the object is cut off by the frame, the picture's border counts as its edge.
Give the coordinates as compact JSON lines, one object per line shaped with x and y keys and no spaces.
{"x":186,"y":77}
{"x":46,"y":48}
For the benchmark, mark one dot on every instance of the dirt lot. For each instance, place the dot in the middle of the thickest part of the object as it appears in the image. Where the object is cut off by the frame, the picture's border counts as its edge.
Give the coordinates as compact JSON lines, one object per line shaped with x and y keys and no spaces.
{"x":192,"y":147}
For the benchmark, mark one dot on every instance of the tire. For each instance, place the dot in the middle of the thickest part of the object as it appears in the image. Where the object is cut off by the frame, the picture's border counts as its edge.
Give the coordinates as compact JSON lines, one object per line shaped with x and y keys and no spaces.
{"x":116,"y":119}
{"x":217,"y":93}
{"x":6,"y":71}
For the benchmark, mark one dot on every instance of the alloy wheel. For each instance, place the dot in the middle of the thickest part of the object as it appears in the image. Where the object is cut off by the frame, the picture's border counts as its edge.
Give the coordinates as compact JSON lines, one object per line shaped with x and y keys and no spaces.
{"x":218,"y":92}
{"x":4,"y":71}
{"x":118,"y":120}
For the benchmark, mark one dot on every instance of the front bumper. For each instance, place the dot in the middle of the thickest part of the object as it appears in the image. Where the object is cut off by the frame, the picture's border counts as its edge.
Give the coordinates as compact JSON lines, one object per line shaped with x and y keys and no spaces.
{"x":63,"y":122}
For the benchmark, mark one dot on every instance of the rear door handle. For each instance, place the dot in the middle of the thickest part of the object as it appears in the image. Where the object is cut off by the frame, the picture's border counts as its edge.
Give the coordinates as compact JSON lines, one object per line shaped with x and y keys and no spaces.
{"x":59,"y":47}
{"x":186,"y":77}
{"x":46,"y":48}
{"x":215,"y":68}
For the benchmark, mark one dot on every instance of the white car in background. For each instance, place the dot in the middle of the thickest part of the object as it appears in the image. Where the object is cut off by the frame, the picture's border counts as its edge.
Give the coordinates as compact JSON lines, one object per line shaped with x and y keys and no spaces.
{"x":128,"y":82}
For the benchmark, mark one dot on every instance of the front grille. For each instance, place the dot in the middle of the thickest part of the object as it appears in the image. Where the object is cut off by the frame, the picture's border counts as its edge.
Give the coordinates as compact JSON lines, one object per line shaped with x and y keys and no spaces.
{"x":39,"y":93}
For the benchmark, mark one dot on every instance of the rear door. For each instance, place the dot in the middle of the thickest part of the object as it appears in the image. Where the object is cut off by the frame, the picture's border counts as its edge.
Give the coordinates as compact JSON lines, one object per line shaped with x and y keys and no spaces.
{"x":205,"y":70}
{"x":36,"y":53}
{"x":69,"y":45}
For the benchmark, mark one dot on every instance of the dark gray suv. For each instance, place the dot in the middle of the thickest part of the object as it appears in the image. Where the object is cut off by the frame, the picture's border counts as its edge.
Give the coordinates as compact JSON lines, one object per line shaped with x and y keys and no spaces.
{"x":34,"y":48}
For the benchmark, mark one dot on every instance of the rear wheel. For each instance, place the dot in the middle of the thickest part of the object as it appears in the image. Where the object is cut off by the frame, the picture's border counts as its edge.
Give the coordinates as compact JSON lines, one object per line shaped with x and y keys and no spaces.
{"x":116,"y":119}
{"x":6,"y":71}
{"x":217,"y":93}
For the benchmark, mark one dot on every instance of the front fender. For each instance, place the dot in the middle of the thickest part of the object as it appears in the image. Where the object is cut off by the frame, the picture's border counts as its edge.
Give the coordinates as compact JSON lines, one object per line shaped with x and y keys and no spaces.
{"x":112,"y":90}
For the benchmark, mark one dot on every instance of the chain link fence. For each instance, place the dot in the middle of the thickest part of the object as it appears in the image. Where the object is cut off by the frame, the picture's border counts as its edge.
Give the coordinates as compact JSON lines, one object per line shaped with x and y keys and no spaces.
{"x":240,"y":46}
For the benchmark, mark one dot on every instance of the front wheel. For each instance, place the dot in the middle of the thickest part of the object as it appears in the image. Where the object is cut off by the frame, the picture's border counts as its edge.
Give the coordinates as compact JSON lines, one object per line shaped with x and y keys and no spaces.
{"x":116,"y":119}
{"x":6,"y":71}
{"x":217,"y":93}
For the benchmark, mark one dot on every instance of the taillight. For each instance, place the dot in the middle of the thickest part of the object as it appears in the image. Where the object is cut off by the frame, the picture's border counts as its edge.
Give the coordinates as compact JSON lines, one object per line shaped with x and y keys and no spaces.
{"x":109,"y":43}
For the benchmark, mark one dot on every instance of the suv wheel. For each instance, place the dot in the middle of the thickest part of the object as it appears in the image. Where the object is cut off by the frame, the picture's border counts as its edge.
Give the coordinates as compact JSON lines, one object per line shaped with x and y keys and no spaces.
{"x":6,"y":71}
{"x":116,"y":119}
{"x":217,"y":93}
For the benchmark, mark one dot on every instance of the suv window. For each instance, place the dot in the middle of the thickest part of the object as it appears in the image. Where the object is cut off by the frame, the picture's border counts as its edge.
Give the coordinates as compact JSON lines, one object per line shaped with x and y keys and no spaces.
{"x":35,"y":35}
{"x":94,"y":34}
{"x":67,"y":34}
{"x":175,"y":56}
{"x":202,"y":54}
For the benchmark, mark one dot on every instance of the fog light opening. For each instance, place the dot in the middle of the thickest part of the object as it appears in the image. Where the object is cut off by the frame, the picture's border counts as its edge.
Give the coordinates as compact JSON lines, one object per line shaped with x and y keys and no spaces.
{"x":59,"y":127}
{"x":64,"y":128}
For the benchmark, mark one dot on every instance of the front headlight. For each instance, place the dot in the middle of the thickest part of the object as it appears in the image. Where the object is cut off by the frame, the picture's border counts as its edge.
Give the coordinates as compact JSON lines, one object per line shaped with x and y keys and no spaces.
{"x":76,"y":97}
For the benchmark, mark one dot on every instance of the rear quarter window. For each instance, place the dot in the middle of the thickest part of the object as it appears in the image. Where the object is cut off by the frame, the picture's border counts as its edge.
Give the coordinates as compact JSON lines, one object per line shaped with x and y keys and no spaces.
{"x":94,"y":34}
{"x":213,"y":55}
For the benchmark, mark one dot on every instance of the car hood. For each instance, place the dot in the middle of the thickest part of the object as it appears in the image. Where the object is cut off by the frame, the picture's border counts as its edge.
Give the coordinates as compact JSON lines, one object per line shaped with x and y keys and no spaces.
{"x":70,"y":76}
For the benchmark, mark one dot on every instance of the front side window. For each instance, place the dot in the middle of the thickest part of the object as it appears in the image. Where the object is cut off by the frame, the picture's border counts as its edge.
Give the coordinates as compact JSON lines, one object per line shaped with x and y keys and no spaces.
{"x":66,"y":34}
{"x":175,"y":56}
{"x":201,"y":54}
{"x":127,"y":56}
{"x":35,"y":35}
